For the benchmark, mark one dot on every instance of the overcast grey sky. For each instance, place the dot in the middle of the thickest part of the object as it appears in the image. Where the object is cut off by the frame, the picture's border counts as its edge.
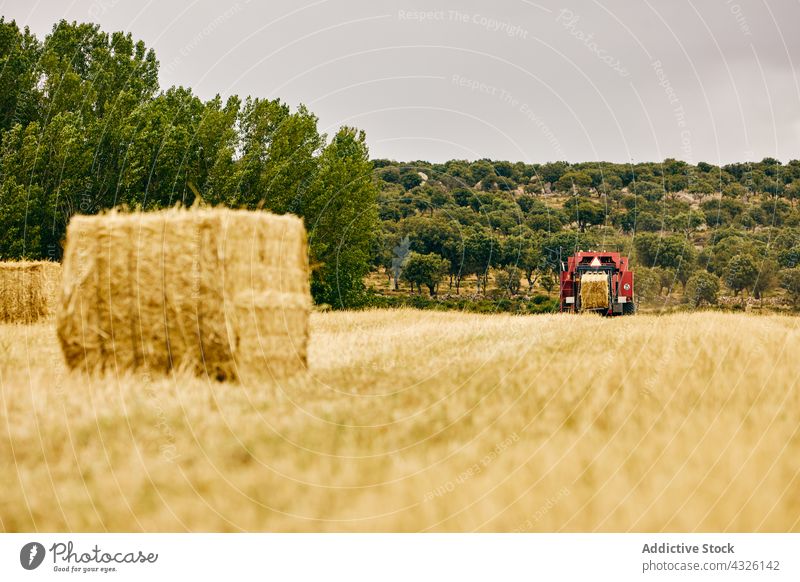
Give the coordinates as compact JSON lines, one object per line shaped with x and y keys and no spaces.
{"x":581,"y":80}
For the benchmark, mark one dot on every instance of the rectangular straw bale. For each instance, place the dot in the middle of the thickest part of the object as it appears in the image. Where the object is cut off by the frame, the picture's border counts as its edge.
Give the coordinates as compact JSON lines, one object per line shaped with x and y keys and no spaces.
{"x":594,"y":291}
{"x":222,"y":292}
{"x":28,"y":290}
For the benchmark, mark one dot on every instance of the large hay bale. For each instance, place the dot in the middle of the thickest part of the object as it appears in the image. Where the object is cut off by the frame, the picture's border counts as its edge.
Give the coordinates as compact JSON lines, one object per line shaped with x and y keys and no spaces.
{"x":28,"y":290}
{"x":221,"y":292}
{"x":594,"y":291}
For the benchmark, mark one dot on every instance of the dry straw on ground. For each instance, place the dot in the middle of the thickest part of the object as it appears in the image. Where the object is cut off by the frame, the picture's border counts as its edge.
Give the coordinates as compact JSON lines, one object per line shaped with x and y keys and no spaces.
{"x":419,"y":420}
{"x":28,"y":290}
{"x":594,"y":291}
{"x":221,"y":292}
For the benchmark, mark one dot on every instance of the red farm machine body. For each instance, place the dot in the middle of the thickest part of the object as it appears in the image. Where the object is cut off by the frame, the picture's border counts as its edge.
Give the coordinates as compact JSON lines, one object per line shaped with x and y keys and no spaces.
{"x":609,"y":276}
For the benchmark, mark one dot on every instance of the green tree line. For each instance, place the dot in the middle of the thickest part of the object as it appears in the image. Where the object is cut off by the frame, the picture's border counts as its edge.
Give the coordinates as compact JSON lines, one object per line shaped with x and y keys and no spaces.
{"x":84,"y":127}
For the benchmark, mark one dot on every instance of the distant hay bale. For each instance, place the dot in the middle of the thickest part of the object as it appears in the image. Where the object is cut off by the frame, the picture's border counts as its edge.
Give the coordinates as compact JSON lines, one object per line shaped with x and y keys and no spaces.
{"x":28,"y":290}
{"x":594,"y":291}
{"x":221,"y":292}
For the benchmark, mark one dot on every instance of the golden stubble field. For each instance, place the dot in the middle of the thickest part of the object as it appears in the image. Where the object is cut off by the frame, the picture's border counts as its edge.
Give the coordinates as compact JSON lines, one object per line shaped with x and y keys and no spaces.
{"x":422,"y":421}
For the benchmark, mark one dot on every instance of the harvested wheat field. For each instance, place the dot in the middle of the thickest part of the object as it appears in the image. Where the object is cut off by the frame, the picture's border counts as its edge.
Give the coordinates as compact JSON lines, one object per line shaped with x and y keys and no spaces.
{"x":420,"y":421}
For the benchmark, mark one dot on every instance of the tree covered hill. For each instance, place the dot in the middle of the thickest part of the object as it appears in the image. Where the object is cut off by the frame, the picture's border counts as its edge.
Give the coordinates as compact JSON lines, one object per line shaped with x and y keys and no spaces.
{"x":702,"y":229}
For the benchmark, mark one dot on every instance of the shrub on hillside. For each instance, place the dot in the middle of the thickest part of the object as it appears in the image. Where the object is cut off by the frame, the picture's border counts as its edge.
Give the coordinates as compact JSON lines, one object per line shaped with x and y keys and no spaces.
{"x":508,"y":280}
{"x":790,"y":280}
{"x":702,"y":287}
{"x":426,"y":270}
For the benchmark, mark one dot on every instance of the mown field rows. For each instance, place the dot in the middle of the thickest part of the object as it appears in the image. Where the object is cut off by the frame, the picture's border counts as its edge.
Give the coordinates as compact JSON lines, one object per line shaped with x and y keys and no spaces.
{"x":417,"y":421}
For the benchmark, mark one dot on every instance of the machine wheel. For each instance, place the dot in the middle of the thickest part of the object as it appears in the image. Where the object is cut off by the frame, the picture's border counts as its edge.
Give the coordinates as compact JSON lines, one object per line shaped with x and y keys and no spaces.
{"x":628,"y":308}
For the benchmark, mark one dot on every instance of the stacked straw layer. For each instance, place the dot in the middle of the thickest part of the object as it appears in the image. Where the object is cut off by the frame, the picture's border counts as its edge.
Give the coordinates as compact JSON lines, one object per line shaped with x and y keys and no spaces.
{"x":222,"y":292}
{"x":594,"y":291}
{"x":28,"y":290}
